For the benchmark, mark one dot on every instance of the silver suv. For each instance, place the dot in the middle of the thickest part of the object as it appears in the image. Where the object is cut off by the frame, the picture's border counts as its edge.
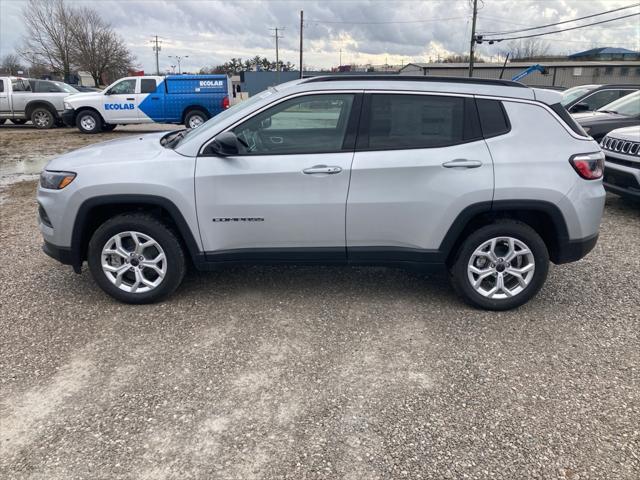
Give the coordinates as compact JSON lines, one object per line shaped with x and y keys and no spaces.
{"x":488,"y":179}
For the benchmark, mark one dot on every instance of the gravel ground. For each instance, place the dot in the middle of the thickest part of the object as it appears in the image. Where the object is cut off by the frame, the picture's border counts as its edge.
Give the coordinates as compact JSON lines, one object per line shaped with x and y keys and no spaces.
{"x":318,"y":373}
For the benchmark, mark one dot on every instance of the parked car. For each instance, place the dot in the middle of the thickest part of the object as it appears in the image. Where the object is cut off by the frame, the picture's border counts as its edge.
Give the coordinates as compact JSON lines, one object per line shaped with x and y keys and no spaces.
{"x":622,"y":162}
{"x":188,"y":99}
{"x":589,"y":98}
{"x":431,"y":172}
{"x":624,"y":112}
{"x":41,"y":101}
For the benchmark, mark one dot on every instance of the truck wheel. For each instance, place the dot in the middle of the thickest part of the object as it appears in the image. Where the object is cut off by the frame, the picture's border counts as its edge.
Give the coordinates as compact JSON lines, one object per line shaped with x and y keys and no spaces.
{"x":195,"y":118}
{"x":19,"y":121}
{"x":89,"y":122}
{"x":500,"y":266}
{"x":42,"y":118}
{"x":136,"y":258}
{"x":108,"y":127}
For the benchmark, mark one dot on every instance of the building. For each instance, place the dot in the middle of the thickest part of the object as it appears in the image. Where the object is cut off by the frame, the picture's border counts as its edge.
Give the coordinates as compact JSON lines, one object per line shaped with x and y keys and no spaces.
{"x":606,"y":54}
{"x":560,"y":74}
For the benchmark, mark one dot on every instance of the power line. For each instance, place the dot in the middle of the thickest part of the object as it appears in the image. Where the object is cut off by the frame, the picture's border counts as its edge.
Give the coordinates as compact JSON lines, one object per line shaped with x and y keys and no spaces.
{"x":561,"y":23}
{"x":330,"y":22}
{"x":481,"y":38}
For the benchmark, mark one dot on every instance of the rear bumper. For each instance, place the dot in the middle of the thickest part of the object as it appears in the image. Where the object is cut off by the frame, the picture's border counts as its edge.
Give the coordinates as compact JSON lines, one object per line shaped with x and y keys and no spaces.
{"x":69,"y":118}
{"x":573,"y":250}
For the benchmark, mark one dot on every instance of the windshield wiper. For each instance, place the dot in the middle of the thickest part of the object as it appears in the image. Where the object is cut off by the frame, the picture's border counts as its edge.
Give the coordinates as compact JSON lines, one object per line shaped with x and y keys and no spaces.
{"x":610,"y":111}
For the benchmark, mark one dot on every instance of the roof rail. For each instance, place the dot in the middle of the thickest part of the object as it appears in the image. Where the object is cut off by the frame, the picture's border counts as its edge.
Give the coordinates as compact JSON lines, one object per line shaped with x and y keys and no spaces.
{"x":412,"y":78}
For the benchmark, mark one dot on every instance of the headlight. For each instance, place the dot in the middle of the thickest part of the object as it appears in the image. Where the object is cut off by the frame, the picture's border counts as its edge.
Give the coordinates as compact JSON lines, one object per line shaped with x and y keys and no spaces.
{"x":56,"y":180}
{"x":68,"y":106}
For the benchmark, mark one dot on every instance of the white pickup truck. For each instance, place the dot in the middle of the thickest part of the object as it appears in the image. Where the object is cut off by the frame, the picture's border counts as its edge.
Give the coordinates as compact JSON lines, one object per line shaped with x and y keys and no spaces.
{"x":41,"y":101}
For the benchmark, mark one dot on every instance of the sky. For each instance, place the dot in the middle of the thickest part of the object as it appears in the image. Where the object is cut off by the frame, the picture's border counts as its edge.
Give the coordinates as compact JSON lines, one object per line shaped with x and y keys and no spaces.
{"x":210,"y":32}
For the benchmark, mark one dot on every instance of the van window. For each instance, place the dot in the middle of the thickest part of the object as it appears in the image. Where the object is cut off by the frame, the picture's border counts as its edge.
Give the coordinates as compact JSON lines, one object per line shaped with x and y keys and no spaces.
{"x":309,"y":124}
{"x":147,"y":85}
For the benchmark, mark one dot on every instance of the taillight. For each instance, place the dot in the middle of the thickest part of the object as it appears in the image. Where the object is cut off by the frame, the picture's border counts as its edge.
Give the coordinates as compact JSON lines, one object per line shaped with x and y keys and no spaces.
{"x":225,"y":103}
{"x":589,"y":166}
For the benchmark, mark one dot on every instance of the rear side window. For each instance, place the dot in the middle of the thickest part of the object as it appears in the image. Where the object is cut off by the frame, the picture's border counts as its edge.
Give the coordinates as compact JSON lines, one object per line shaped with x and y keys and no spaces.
{"x":1,"y":86}
{"x":493,"y":118}
{"x":147,"y":85}
{"x":397,"y":121}
{"x":568,"y":119}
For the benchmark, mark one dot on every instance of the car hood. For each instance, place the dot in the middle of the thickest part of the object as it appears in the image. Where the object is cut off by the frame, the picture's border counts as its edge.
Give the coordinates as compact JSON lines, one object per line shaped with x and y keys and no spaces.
{"x":82,"y":97}
{"x":627,"y":133}
{"x":589,"y":118}
{"x":130,"y":149}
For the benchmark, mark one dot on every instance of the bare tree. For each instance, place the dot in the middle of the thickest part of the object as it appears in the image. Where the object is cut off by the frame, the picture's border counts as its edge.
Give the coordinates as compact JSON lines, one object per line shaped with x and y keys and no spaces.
{"x":48,"y":38}
{"x":11,"y":64}
{"x":97,"y":48}
{"x":528,"y":49}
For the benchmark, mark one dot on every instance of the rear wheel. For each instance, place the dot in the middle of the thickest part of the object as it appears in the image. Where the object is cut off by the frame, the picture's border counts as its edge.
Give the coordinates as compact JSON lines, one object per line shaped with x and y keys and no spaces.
{"x":89,"y":121}
{"x":195,"y":118}
{"x":42,"y":118}
{"x":135,"y":258}
{"x":501,"y":266}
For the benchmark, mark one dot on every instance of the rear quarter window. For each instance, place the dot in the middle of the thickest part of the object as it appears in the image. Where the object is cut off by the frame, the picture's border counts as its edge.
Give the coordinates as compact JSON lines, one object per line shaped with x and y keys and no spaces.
{"x":493,"y":118}
{"x":147,"y":85}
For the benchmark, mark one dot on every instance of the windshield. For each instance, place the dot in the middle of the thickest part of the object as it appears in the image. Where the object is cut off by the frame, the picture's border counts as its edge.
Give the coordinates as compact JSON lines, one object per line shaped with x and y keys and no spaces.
{"x":571,"y":94}
{"x":224,"y":115}
{"x":65,"y":87}
{"x":628,"y":105}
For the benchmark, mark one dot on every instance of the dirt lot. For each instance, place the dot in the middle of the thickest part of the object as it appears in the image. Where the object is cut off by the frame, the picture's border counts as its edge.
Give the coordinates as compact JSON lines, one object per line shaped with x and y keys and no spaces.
{"x":314,"y":373}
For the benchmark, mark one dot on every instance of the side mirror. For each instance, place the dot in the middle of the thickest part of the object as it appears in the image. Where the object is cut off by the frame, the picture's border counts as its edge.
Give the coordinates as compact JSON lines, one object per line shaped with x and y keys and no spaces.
{"x":107,"y":92}
{"x":225,"y":144}
{"x":580,"y":107}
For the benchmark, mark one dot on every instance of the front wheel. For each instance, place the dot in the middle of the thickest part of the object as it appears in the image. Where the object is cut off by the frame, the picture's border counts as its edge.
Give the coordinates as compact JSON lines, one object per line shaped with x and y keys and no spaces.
{"x":89,"y":121}
{"x":135,"y":258}
{"x":500,"y":266}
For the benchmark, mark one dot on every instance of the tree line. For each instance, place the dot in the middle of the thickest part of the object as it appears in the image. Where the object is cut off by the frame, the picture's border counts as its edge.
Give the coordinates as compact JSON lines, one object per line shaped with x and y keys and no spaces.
{"x":60,"y":38}
{"x":237,"y":65}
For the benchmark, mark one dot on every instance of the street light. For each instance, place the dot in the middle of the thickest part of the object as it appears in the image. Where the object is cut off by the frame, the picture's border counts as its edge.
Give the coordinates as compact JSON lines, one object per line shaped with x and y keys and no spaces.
{"x":178,"y":60}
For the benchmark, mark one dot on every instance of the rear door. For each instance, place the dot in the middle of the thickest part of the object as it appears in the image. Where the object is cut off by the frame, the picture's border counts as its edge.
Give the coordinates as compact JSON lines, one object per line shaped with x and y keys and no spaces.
{"x":151,"y":100}
{"x":283,"y":197}
{"x":5,"y":105}
{"x":420,"y":160}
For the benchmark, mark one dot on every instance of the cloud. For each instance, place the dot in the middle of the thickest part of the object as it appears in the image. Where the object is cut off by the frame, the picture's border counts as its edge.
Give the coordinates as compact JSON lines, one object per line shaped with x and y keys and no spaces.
{"x":210,"y":32}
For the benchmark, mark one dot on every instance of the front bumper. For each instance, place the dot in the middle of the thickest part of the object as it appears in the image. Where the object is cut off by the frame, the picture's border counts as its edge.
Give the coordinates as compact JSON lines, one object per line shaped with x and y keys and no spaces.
{"x":69,"y":118}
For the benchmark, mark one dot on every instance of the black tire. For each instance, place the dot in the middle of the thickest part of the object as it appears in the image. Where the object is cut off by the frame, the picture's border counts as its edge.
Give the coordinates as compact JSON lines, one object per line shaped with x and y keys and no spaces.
{"x":19,"y":121}
{"x":2,"y":120}
{"x":42,"y":118}
{"x":108,"y":127}
{"x":193,"y":115}
{"x":506,"y":228}
{"x":158,"y":231}
{"x":89,"y":121}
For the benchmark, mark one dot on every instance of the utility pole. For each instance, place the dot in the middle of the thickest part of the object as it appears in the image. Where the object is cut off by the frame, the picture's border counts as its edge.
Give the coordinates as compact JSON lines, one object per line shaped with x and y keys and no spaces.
{"x":301,"y":27}
{"x":157,"y":48}
{"x":340,"y":62}
{"x":473,"y":37}
{"x":277,"y":53}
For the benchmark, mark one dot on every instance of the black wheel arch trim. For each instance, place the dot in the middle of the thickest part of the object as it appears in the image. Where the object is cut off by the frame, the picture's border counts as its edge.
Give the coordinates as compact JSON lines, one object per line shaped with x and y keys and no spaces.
{"x":33,"y":104}
{"x":78,"y":236}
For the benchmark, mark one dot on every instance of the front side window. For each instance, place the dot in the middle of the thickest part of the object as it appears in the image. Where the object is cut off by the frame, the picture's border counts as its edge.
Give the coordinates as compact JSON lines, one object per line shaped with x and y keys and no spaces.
{"x":309,"y":124}
{"x":415,"y":121}
{"x":124,"y":87}
{"x":601,"y":98}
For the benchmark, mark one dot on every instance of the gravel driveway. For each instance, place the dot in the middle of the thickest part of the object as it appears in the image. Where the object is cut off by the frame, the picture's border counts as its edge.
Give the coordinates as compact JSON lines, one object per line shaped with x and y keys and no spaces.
{"x":317,"y":373}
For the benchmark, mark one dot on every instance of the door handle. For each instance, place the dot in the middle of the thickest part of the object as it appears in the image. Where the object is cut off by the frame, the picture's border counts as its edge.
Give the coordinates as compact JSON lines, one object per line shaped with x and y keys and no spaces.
{"x":131,"y":99}
{"x":322,"y":169}
{"x":462,"y":163}
{"x":155,"y":98}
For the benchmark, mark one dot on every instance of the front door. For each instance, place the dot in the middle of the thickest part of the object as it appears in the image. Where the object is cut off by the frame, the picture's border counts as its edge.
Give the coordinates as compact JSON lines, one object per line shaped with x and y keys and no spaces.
{"x":120,"y":102}
{"x":420,"y":161}
{"x":283,"y":197}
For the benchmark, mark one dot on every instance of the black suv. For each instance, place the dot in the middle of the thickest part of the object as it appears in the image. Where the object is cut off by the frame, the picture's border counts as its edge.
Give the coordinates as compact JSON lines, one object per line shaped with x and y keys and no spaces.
{"x":589,"y":98}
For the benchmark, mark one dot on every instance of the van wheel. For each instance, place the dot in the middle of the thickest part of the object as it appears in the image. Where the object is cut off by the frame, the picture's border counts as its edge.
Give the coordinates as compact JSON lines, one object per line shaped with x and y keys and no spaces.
{"x":42,"y":118}
{"x":500,"y":266}
{"x":18,"y":121}
{"x":135,"y":258}
{"x":88,"y":121}
{"x":195,"y":118}
{"x":108,"y":127}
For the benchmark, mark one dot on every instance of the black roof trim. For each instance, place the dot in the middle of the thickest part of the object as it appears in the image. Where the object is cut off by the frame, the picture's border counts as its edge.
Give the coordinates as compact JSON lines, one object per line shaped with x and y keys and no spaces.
{"x":413,"y":78}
